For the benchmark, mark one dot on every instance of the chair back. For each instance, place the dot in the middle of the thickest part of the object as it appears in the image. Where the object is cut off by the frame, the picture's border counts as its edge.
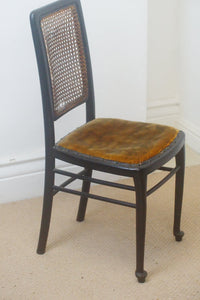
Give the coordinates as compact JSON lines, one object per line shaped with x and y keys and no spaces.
{"x":63,"y":58}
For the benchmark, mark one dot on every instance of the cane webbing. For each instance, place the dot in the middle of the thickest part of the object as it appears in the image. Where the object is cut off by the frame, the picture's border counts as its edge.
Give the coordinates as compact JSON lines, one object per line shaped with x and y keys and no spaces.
{"x":65,"y":52}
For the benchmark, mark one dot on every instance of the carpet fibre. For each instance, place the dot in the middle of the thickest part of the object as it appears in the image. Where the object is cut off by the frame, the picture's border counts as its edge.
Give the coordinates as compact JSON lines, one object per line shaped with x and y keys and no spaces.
{"x":95,"y":259}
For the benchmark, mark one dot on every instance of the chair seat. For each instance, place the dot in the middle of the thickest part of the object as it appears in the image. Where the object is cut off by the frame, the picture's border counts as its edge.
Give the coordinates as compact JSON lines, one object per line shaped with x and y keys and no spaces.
{"x":119,"y":140}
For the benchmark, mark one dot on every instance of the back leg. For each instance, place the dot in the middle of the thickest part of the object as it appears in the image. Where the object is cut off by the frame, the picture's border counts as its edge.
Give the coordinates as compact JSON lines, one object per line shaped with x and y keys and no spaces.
{"x":180,"y":161}
{"x":84,"y":199}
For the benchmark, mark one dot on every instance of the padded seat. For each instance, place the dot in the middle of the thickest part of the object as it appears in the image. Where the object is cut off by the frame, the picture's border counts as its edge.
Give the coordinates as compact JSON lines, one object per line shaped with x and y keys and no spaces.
{"x":119,"y":140}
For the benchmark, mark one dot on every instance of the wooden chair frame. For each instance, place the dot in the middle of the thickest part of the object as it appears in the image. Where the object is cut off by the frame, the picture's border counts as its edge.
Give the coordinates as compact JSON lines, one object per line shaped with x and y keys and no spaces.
{"x":138,"y":172}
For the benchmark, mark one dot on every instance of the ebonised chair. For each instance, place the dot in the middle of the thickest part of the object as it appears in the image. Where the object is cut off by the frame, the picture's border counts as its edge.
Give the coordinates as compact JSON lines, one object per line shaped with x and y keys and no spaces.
{"x":132,"y":149}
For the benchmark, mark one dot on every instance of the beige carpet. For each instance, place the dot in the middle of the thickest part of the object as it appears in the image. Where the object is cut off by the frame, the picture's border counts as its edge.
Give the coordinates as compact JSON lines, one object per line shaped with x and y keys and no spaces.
{"x":96,"y":259}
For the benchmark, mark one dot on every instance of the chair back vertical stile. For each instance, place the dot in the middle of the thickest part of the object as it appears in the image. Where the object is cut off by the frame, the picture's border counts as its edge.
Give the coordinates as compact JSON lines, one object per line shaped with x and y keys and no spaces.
{"x":116,"y":146}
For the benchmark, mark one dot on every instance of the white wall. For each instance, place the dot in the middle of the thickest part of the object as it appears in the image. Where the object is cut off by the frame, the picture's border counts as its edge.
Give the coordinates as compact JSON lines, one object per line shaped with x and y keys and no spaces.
{"x":162,"y":88}
{"x":117,"y":33}
{"x":117,"y":37}
{"x":173,"y":93}
{"x":190,"y":70}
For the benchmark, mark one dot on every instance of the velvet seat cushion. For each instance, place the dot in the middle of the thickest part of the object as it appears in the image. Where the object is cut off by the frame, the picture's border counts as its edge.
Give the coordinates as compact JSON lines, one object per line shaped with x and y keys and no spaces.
{"x":119,"y":140}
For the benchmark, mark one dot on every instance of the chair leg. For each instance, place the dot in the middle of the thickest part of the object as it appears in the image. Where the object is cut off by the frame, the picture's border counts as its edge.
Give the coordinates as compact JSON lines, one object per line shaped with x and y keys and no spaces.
{"x":47,"y":205}
{"x":180,"y":161}
{"x":140,"y":186}
{"x":84,"y":199}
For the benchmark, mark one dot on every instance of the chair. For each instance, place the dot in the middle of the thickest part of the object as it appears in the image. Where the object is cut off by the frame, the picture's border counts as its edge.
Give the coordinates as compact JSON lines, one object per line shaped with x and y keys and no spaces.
{"x":127,"y":148}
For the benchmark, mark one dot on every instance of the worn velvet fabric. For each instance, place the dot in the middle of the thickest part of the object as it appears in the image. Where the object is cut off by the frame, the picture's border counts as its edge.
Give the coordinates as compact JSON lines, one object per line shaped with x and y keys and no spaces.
{"x":119,"y":140}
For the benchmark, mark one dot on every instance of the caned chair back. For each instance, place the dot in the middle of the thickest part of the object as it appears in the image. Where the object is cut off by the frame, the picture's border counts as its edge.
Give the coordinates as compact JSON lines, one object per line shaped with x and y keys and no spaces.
{"x":65,"y":57}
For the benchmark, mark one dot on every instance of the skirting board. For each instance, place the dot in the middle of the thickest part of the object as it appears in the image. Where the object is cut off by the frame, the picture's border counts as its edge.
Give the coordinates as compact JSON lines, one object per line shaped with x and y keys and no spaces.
{"x":25,"y":179}
{"x":192,"y":132}
{"x":163,"y":111}
{"x":166,"y":111}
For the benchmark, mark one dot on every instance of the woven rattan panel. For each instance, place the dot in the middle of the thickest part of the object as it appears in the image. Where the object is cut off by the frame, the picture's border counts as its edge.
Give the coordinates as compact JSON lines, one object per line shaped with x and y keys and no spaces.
{"x":66,"y":58}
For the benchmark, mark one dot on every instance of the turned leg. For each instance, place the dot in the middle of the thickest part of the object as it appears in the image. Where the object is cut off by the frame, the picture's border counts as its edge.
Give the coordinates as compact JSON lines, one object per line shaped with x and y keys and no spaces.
{"x":140,"y":185}
{"x":84,"y":199}
{"x":180,"y":161}
{"x":47,"y":204}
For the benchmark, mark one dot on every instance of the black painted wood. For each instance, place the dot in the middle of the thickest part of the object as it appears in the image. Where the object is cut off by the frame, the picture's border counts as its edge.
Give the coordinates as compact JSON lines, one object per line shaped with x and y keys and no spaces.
{"x":163,"y":181}
{"x":179,"y":184}
{"x":92,"y":196}
{"x":70,"y":180}
{"x":141,"y":186}
{"x":84,"y":199}
{"x":47,"y":203}
{"x":83,"y":176}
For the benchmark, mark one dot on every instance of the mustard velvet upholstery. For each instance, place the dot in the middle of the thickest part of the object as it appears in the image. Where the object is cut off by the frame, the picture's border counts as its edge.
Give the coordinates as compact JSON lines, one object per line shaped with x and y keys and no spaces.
{"x":119,"y":140}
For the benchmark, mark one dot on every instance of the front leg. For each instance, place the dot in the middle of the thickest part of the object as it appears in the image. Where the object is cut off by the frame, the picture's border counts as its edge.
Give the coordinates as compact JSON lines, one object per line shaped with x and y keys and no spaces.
{"x":140,"y":186}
